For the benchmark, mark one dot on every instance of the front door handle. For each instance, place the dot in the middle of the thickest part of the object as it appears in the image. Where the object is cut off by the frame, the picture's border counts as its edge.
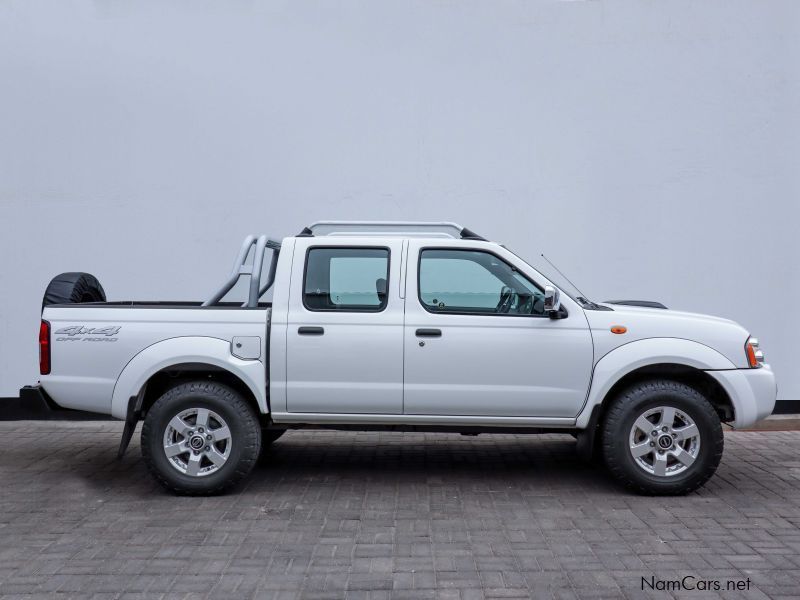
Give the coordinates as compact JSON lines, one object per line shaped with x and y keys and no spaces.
{"x":310,"y":330}
{"x":429,"y":333}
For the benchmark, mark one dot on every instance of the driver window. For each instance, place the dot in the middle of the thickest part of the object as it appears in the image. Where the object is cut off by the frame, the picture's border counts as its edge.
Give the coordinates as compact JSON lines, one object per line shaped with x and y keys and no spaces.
{"x":475,"y":282}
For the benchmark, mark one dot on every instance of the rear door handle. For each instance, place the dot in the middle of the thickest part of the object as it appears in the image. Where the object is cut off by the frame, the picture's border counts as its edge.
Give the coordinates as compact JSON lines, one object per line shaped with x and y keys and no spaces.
{"x":429,"y":333}
{"x":310,"y":330}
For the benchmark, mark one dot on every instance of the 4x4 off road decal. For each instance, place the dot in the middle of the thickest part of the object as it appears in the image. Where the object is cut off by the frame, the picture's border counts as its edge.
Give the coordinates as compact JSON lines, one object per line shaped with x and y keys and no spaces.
{"x":88,"y":334}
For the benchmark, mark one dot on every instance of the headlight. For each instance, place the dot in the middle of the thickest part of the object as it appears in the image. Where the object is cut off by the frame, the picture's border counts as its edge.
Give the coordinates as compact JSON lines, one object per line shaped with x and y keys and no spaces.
{"x":755,"y":357}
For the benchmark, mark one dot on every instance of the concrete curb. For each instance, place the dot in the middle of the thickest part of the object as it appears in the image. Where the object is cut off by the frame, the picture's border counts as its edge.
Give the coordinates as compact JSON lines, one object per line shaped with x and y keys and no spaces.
{"x":776,"y":423}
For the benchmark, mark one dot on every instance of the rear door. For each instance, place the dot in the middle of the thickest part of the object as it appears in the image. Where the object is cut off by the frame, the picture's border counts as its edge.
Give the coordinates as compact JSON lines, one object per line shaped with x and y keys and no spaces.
{"x":344,"y":346}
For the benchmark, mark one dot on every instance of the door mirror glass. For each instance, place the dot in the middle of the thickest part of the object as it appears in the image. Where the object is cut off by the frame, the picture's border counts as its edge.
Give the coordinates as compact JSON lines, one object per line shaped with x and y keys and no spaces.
{"x":552,"y":299}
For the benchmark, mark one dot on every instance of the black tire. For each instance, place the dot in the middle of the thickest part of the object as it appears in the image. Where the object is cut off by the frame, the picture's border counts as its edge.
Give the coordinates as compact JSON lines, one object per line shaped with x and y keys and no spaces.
{"x":634,"y":402}
{"x":237,"y":414}
{"x":73,"y":288}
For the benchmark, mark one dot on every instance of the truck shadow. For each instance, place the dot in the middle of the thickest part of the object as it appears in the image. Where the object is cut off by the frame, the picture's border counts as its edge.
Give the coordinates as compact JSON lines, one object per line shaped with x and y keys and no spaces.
{"x":522,"y":461}
{"x":64,"y":461}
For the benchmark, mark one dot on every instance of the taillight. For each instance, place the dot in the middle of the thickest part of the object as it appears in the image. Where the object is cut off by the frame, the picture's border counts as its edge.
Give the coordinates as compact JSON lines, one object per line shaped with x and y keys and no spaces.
{"x":755,"y":357}
{"x":44,"y":348}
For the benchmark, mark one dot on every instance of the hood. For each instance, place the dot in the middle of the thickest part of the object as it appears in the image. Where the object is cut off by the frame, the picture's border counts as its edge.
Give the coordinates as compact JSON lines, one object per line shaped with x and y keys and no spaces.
{"x":723,"y":335}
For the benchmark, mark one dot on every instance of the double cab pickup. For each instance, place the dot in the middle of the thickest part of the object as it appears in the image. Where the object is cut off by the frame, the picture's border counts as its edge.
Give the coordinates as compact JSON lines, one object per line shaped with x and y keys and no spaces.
{"x":403,"y":326}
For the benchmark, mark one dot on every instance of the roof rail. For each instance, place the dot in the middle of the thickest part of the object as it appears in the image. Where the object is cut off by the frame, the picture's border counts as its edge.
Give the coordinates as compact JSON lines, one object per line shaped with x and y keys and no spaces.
{"x":442,"y":229}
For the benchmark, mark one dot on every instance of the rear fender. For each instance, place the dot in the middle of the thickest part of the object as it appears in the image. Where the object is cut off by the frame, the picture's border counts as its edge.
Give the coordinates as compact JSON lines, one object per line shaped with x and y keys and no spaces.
{"x":180,"y":350}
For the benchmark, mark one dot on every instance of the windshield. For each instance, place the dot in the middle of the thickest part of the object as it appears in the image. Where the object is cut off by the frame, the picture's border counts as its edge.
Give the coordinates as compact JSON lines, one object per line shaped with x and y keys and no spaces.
{"x":565,"y":285}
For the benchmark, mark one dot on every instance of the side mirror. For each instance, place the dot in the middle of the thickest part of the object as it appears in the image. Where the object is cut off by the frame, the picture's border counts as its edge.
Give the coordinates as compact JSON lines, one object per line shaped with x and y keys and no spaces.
{"x":552,"y":299}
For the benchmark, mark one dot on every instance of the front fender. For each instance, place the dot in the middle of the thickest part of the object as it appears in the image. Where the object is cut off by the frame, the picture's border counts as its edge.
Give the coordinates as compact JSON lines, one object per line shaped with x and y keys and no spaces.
{"x":642,"y":353}
{"x":181,"y":350}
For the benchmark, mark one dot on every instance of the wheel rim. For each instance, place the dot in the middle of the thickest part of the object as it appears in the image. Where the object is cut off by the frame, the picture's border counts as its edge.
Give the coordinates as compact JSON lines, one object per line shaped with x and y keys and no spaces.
{"x":664,"y":441}
{"x":197,"y":442}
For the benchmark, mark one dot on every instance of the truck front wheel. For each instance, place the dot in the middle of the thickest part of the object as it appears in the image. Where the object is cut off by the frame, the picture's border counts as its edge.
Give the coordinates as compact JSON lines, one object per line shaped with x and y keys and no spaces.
{"x":662,"y":437}
{"x":200,"y":438}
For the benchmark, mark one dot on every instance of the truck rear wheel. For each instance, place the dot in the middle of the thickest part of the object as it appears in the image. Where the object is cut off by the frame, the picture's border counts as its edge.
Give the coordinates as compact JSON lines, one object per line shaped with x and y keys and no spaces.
{"x":662,"y":437}
{"x":200,"y":438}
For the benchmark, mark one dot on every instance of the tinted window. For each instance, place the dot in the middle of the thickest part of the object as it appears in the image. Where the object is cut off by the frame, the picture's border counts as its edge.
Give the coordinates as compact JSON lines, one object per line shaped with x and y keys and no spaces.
{"x":475,"y":282}
{"x":346,"y":279}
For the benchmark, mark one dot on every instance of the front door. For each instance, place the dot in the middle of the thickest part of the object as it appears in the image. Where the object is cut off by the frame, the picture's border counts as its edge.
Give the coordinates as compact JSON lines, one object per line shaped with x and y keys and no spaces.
{"x":344,"y":346}
{"x":477,"y":341}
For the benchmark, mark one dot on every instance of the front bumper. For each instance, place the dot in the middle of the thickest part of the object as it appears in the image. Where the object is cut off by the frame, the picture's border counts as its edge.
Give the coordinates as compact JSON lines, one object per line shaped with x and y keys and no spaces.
{"x":34,"y":404}
{"x":753,"y":393}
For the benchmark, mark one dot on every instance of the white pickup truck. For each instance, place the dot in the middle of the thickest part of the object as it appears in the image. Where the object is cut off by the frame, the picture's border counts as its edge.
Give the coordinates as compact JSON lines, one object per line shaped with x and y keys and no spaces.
{"x":402,"y":326}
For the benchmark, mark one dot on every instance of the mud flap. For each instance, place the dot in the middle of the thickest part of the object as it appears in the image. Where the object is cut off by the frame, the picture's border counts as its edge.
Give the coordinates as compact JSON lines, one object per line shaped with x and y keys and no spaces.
{"x":587,"y":438}
{"x":132,"y":417}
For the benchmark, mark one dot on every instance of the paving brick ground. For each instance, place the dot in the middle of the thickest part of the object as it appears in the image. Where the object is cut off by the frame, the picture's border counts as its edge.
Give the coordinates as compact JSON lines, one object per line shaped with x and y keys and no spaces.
{"x":383,"y":515}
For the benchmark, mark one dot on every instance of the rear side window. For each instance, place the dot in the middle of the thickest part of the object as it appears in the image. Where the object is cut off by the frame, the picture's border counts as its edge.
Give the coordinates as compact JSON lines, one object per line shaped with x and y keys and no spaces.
{"x":346,"y":279}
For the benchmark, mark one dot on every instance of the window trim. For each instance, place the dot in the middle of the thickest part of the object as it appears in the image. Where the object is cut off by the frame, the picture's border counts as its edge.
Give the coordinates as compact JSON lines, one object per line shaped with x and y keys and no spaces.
{"x":382,"y":307}
{"x":474,"y":313}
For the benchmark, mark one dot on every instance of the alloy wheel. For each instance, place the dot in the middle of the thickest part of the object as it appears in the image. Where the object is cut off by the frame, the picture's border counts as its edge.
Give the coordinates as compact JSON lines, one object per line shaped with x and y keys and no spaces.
{"x":664,"y":441}
{"x":197,"y":442}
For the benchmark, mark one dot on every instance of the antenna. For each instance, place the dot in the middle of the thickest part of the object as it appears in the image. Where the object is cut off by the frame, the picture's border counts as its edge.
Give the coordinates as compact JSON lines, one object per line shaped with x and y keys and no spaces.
{"x":564,"y":276}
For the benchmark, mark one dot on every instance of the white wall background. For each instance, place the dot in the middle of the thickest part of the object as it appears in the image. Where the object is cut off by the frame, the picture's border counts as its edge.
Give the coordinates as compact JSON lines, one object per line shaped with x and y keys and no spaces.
{"x":651,"y":148}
